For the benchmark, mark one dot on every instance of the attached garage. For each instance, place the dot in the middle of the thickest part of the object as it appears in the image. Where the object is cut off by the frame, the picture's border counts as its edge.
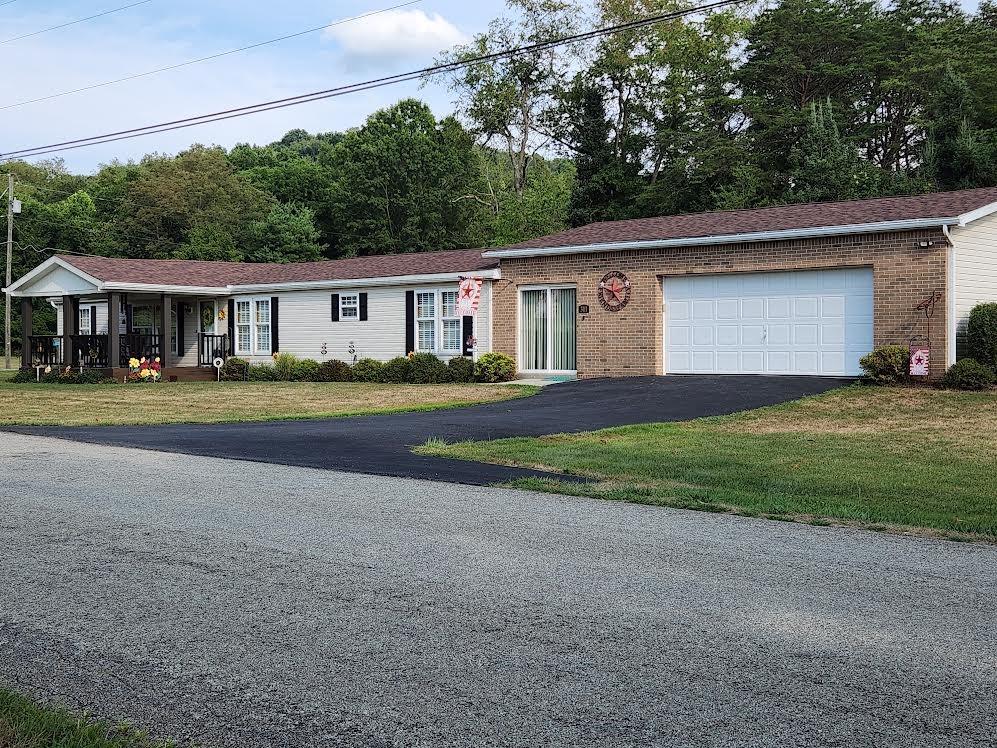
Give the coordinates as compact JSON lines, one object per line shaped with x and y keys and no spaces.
{"x":799,"y":322}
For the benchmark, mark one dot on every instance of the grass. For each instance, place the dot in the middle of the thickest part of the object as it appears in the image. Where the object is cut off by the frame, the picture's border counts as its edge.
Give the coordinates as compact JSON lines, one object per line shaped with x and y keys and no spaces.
{"x":24,"y":724}
{"x":908,"y":460}
{"x":213,"y":402}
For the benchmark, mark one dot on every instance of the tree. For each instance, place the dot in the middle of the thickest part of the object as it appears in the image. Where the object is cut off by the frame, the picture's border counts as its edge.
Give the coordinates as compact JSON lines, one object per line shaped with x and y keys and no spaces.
{"x":405,"y":183}
{"x":286,"y":234}
{"x":957,"y":156}
{"x":506,"y":100}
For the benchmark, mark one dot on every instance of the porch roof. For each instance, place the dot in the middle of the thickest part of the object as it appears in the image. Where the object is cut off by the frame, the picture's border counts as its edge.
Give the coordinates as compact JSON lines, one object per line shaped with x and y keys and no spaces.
{"x":73,"y":275}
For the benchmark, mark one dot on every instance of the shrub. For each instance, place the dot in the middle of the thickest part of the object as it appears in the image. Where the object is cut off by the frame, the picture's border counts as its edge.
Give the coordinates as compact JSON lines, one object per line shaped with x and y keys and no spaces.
{"x":61,"y":376}
{"x":460,"y":369}
{"x":262,"y":373}
{"x":283,"y":366}
{"x":335,"y":371}
{"x":234,"y":369}
{"x":305,"y":370}
{"x":428,"y":369}
{"x":494,"y":367}
{"x":23,"y":376}
{"x":969,"y":374}
{"x":888,"y":364}
{"x":368,"y":370}
{"x":981,"y":334}
{"x":397,"y":371}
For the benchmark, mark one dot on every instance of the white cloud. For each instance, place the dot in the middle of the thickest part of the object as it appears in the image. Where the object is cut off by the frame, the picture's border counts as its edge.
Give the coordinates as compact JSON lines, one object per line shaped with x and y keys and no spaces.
{"x":395,"y":35}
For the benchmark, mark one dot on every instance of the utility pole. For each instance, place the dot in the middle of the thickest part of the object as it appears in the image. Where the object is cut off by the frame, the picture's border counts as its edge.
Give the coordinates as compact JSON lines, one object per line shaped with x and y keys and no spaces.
{"x":10,"y":260}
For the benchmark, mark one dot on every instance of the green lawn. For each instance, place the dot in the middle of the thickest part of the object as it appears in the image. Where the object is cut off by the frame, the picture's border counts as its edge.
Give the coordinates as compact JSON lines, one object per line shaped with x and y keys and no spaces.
{"x":900,"y":459}
{"x":220,"y":402}
{"x":24,"y":724}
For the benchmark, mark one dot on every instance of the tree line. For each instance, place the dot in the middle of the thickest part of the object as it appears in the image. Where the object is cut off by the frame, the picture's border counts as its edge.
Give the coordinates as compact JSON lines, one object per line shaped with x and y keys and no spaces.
{"x":791,"y":101}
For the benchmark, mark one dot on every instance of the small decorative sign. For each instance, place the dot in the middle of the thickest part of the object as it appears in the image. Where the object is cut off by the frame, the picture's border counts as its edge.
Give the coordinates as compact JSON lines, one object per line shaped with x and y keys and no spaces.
{"x":614,"y":291}
{"x":920,"y":360}
{"x":583,"y":308}
{"x":468,"y":296}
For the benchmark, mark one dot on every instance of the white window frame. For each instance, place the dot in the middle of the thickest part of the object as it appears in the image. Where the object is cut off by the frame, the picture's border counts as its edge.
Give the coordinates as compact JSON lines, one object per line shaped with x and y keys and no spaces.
{"x":550,"y":327}
{"x":444,"y":319}
{"x":254,"y":349}
{"x":355,"y":307}
{"x":84,"y":329}
{"x":438,"y":320}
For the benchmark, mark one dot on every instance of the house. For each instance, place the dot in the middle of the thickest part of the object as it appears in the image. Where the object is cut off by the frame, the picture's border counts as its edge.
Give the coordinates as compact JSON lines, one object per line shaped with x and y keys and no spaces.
{"x":799,"y":289}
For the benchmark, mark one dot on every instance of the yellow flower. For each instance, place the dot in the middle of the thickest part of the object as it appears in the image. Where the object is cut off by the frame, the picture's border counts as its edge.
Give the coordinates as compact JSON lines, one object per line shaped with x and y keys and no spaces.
{"x":133,"y":362}
{"x":144,"y":373}
{"x":157,"y":359}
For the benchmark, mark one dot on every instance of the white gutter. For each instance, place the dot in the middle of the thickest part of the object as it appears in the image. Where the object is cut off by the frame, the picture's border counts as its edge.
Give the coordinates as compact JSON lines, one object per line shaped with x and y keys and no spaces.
{"x":755,"y":236}
{"x":392,"y":280}
{"x":163,"y":288}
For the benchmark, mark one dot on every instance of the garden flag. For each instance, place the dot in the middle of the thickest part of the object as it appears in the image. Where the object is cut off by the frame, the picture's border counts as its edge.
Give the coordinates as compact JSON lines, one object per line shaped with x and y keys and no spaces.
{"x":468,"y":296}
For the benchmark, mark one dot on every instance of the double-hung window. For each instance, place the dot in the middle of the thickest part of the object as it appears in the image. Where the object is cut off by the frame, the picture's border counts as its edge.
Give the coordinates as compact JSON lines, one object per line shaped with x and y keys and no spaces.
{"x":84,"y":320}
{"x":425,"y":320}
{"x":252,"y":326}
{"x":349,"y":306}
{"x":438,"y":326}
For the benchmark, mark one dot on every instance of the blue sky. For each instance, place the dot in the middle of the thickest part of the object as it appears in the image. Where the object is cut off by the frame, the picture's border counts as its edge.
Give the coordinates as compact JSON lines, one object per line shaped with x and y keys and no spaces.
{"x":166,"y":32}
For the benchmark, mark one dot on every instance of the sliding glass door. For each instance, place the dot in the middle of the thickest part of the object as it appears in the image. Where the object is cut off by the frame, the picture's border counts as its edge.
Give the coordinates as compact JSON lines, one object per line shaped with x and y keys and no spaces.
{"x":547,"y":329}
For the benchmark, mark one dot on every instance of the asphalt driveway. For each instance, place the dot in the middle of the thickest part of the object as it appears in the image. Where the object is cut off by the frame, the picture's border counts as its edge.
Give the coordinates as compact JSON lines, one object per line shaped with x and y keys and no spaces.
{"x":213,"y":601}
{"x":381,"y":444}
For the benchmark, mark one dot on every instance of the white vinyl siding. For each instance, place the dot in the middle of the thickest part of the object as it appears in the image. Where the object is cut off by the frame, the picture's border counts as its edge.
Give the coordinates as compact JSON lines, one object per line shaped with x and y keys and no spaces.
{"x":975,"y":273}
{"x":305,"y":325}
{"x":87,"y":304}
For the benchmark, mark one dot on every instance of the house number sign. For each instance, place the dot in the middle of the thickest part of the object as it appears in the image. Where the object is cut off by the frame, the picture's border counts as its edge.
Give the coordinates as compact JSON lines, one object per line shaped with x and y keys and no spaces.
{"x":614,"y":291}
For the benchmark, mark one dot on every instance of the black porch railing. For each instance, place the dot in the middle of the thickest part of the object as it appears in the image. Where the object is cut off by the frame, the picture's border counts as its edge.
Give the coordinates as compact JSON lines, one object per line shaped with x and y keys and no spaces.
{"x":89,"y":351}
{"x":46,"y":350}
{"x":138,"y":345}
{"x":210,"y":347}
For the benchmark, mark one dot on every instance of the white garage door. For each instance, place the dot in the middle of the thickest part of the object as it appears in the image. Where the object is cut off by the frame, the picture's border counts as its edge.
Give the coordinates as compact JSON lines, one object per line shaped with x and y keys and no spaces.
{"x":808,"y":322}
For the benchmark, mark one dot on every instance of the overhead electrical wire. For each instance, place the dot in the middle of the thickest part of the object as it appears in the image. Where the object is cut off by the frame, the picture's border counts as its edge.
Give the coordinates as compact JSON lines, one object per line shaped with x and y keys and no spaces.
{"x":361,"y":86}
{"x":206,"y":58}
{"x":73,"y":23}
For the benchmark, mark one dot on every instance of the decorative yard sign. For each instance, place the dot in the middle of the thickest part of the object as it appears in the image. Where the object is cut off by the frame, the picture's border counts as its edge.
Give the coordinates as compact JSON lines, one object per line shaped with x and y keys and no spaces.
{"x":920,"y":358}
{"x":614,"y":291}
{"x":468,"y":296}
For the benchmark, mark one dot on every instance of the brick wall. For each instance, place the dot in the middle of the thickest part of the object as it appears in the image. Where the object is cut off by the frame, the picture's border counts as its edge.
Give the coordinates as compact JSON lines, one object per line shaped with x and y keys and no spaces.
{"x":630,"y":342}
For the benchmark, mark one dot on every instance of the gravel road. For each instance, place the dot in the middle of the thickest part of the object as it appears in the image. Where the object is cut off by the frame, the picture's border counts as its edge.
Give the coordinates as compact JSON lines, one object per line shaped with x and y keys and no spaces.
{"x":241,"y":604}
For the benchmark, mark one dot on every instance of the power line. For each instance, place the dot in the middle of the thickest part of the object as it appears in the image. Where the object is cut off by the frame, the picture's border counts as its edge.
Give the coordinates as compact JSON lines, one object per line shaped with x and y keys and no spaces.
{"x":362,"y":86}
{"x":208,"y":57}
{"x":72,"y":23}
{"x":7,"y":3}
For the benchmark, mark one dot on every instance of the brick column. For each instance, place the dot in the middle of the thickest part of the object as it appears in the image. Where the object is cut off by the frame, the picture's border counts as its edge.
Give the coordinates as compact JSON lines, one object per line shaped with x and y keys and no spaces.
{"x":25,"y":332}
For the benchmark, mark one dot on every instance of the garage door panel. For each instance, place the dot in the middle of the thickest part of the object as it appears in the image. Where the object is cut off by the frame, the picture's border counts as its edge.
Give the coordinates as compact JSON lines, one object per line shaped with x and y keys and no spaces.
{"x":812,"y":322}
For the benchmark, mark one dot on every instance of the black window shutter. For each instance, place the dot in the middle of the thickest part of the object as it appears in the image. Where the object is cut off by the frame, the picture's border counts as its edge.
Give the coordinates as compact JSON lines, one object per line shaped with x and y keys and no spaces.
{"x":180,"y":331}
{"x":409,"y":322}
{"x":76,"y":317}
{"x":93,"y":319}
{"x":231,"y":327}
{"x":274,"y":324}
{"x":335,"y":307}
{"x":467,"y":332}
{"x":363,"y":307}
{"x":129,"y":312}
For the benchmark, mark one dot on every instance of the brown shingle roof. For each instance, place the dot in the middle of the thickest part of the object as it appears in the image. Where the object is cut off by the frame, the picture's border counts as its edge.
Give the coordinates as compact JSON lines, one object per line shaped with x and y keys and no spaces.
{"x":204,"y":273}
{"x":784,"y":217}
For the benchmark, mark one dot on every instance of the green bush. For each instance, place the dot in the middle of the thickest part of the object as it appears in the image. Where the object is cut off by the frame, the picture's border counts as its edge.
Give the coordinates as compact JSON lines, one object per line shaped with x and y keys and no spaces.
{"x":234,"y":369}
{"x":494,"y":367}
{"x":397,"y":371}
{"x":283,"y":366}
{"x":981,"y":334}
{"x":334,"y":370}
{"x":368,"y":370}
{"x":428,"y":369}
{"x":888,"y":364}
{"x":460,"y":370}
{"x":305,"y":370}
{"x":61,"y":376}
{"x":969,"y":374}
{"x":262,"y":373}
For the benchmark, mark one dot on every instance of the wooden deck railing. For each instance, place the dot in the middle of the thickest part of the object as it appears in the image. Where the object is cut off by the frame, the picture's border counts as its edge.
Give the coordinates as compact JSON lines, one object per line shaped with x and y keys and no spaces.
{"x":138,"y":345}
{"x":210,"y":347}
{"x":89,"y":351}
{"x":46,"y":350}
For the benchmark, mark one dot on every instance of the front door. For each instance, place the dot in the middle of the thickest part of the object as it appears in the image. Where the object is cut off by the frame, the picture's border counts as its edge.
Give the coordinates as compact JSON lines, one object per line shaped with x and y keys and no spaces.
{"x":547,"y":337}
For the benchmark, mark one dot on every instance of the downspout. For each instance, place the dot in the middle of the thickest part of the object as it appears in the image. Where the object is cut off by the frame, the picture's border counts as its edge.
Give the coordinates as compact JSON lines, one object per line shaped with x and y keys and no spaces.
{"x":950,"y":292}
